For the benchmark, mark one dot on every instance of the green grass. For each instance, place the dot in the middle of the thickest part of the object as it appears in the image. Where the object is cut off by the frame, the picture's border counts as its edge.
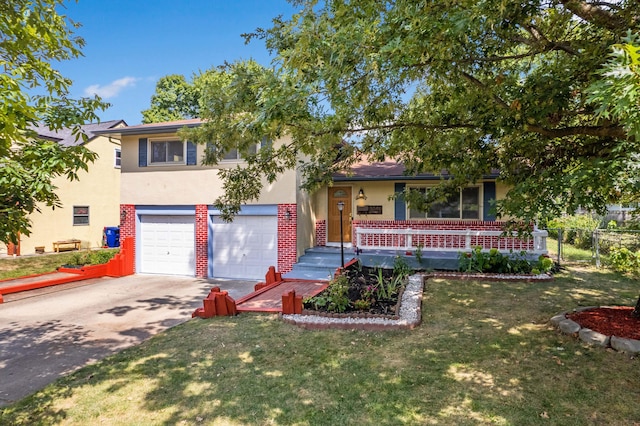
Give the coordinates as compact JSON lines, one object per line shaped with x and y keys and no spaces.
{"x":485,"y":353}
{"x":14,"y":267}
{"x":570,"y":253}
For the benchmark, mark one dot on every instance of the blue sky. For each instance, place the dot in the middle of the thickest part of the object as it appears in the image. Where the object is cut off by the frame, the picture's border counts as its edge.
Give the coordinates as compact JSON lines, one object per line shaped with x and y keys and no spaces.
{"x":130,"y":44}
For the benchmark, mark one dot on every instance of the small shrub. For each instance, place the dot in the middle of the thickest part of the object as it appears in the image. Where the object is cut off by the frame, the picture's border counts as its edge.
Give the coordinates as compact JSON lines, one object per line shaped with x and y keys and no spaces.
{"x":495,"y":262}
{"x":335,"y":298}
{"x":97,"y":257}
{"x":624,"y":260}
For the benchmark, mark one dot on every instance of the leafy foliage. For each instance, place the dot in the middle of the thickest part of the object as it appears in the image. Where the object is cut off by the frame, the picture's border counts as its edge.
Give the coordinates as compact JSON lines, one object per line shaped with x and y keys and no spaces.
{"x":95,"y":257}
{"x":174,"y":99}
{"x":495,"y":262}
{"x":470,"y":87}
{"x":576,"y":229}
{"x":621,"y":259}
{"x":334,"y":298}
{"x":33,"y":37}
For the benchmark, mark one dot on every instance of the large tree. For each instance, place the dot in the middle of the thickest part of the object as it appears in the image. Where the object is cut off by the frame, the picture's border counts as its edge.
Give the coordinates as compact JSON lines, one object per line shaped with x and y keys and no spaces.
{"x":33,"y":36}
{"x":467,"y":86}
{"x":174,"y":99}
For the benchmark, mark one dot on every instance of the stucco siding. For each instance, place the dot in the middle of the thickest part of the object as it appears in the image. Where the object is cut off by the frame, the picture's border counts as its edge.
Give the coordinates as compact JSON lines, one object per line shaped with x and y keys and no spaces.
{"x":190,"y":187}
{"x":99,"y":189}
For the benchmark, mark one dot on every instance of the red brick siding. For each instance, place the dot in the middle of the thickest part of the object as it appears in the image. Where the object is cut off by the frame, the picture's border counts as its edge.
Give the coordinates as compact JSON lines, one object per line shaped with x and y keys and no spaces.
{"x":321,"y":232}
{"x":128,"y":225}
{"x":202,"y":240}
{"x":287,"y":237}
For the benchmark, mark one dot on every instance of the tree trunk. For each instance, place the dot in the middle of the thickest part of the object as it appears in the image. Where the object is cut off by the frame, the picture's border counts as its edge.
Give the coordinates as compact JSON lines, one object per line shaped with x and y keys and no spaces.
{"x":636,"y":311}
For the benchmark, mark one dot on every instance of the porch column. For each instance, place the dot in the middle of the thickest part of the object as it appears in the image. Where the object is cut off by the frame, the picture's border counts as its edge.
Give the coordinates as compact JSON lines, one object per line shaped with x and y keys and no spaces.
{"x":287,"y":236}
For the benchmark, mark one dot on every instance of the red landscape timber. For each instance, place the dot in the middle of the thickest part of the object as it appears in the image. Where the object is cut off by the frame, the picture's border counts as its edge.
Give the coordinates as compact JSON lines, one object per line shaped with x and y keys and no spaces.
{"x":216,"y":304}
{"x":119,"y":266}
{"x":291,"y":304}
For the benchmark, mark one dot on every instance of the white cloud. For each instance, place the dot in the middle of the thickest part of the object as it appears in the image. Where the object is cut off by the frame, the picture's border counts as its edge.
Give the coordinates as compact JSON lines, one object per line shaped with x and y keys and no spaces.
{"x":112,"y":89}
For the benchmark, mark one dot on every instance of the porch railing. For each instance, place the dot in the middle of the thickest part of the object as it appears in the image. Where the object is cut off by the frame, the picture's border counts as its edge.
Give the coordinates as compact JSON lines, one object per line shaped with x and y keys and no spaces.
{"x":449,"y":240}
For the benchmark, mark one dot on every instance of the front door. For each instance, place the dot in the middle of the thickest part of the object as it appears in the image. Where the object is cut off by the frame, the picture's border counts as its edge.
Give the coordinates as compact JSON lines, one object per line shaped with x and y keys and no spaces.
{"x":337,"y":194}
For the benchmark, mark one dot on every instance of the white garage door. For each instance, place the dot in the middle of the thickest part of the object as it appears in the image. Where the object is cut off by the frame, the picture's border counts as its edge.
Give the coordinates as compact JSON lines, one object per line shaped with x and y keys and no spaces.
{"x":246,"y":247}
{"x":167,"y":245}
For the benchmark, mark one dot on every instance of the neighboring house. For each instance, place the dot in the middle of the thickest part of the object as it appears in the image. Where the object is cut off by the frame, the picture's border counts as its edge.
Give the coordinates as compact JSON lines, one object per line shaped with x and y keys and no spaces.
{"x":166,"y":197}
{"x":88,"y":204}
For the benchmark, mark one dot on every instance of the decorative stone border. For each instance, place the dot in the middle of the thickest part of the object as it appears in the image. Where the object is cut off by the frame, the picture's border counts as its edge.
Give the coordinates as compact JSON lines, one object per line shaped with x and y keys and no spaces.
{"x":491,"y":277}
{"x":410,"y":307}
{"x":568,"y":326}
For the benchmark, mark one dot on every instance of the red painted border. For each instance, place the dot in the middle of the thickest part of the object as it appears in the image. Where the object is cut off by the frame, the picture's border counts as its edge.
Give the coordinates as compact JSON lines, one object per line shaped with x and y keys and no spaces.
{"x":120,"y":265}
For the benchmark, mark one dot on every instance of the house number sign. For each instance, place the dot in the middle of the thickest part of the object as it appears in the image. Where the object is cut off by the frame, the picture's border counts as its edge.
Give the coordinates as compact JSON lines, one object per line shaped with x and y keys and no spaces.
{"x":369,"y":210}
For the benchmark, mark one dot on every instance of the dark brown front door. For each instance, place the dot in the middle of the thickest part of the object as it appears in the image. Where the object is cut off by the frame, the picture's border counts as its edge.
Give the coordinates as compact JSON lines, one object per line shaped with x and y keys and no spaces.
{"x":337,"y":194}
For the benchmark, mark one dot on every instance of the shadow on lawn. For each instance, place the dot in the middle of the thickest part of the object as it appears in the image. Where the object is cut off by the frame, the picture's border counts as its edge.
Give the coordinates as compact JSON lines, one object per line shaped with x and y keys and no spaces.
{"x":484,"y":353}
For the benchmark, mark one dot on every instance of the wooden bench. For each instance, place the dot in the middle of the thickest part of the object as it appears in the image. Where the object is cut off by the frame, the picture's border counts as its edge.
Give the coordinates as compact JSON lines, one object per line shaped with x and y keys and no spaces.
{"x":66,"y":245}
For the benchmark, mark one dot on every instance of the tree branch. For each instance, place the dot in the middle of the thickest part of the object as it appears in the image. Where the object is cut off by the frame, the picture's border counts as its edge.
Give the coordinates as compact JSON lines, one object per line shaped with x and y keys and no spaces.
{"x":616,"y":132}
{"x":594,"y":14}
{"x":480,"y":84}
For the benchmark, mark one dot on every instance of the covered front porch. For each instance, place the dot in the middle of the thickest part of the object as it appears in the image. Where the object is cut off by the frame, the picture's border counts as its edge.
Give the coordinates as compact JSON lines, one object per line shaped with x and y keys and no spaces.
{"x":426,"y":249}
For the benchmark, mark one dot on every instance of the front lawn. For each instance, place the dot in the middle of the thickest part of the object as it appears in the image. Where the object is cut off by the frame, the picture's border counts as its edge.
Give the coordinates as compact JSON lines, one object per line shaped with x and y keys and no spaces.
{"x":485,"y":353}
{"x":15,"y":267}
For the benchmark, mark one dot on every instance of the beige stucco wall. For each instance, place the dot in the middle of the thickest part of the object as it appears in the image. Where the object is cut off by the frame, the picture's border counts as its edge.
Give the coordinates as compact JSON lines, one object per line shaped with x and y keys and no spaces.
{"x":307,"y":212}
{"x":187,"y":185}
{"x":99,"y":188}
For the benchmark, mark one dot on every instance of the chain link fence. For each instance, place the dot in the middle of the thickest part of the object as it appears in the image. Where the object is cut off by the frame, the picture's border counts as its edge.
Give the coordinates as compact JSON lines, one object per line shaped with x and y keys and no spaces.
{"x":598,"y":242}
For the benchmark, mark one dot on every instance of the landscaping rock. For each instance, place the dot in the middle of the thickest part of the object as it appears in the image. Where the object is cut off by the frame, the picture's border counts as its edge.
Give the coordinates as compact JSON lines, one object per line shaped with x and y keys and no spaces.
{"x":593,"y":337}
{"x":625,"y":345}
{"x":569,"y":327}
{"x":556,"y":320}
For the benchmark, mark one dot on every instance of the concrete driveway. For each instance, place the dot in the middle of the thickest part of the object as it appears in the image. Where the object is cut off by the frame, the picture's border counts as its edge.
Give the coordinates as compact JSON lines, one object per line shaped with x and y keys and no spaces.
{"x":48,"y":333}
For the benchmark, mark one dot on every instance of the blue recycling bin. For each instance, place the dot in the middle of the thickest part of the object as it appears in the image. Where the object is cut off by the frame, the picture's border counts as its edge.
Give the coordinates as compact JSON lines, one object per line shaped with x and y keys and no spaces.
{"x":112,"y":236}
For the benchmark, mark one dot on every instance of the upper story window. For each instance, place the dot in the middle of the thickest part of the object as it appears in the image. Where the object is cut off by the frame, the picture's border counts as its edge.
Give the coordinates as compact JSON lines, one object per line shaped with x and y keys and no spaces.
{"x":117,"y":158}
{"x":167,"y":152}
{"x":466,"y":205}
{"x":235,"y":155}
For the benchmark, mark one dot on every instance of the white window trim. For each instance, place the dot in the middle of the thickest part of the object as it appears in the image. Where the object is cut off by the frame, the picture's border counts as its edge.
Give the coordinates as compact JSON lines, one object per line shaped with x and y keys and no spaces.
{"x":116,"y":157}
{"x":150,"y":161}
{"x":427,"y":187}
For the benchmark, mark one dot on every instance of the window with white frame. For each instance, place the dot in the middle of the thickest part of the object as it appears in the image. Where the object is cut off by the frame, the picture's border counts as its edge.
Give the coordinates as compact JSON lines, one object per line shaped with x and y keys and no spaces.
{"x":465,"y":205}
{"x":167,"y":152}
{"x":80,"y":215}
{"x":117,"y":158}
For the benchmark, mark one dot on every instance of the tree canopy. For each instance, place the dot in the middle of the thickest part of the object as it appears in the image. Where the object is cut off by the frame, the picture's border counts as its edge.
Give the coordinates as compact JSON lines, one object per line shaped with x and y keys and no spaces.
{"x":33,"y":36}
{"x":174,"y":99}
{"x":468,"y":86}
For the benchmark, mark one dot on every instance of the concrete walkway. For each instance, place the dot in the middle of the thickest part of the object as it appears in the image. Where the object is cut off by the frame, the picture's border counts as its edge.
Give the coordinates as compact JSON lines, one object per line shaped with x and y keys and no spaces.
{"x":50,"y":332}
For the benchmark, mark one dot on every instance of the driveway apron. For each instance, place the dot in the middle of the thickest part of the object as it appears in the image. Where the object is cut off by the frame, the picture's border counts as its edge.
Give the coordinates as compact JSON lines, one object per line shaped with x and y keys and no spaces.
{"x":48,"y":333}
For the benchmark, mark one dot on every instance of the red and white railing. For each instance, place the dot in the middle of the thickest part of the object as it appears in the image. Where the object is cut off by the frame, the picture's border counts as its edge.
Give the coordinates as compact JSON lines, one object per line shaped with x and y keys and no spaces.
{"x":449,"y":240}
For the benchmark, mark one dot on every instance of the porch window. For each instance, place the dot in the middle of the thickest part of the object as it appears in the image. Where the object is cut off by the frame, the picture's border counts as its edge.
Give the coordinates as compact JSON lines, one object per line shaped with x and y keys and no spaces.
{"x":167,"y":152}
{"x":80,"y":215}
{"x":466,"y":205}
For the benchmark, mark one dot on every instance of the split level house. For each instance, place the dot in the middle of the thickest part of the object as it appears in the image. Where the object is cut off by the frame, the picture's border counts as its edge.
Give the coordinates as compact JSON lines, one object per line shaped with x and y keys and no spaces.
{"x":89,"y":204}
{"x":166,"y":207}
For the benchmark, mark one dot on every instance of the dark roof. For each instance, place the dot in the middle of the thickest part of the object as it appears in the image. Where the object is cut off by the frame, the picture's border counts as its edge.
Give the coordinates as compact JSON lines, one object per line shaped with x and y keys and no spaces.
{"x":165,"y":127}
{"x":65,"y":137}
{"x":389,"y":170}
